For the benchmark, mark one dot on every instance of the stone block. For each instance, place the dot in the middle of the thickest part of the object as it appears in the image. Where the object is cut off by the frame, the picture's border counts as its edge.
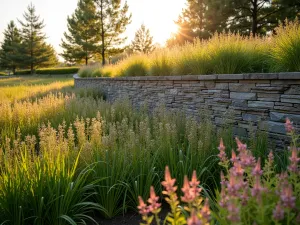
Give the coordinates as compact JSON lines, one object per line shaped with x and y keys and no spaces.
{"x":268,"y":97}
{"x":230,"y":77}
{"x":273,"y":127}
{"x":280,"y":117}
{"x":293,"y":90}
{"x":261,"y":104}
{"x":261,"y":76}
{"x":240,"y":131}
{"x":251,"y":117}
{"x":239,"y":103}
{"x":221,"y":86}
{"x":289,"y":76}
{"x":207,"y":77}
{"x":238,"y":87}
{"x":243,"y":95}
{"x":290,"y":100}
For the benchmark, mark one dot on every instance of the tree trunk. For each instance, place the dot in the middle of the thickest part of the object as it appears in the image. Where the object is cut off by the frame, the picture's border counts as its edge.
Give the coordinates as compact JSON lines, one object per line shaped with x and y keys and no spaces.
{"x":102,"y":34}
{"x":31,"y":67}
{"x":254,"y":18}
{"x":14,"y":70}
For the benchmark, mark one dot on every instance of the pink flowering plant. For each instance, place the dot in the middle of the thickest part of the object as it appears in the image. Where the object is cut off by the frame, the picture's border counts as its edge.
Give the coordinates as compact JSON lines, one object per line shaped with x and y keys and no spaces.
{"x":250,"y":193}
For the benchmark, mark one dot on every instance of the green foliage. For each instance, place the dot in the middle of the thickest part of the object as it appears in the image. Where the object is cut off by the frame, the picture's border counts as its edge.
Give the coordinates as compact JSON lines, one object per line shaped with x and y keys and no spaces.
{"x":10,"y":47}
{"x":83,"y":34}
{"x":50,"y":71}
{"x":34,"y":51}
{"x":3,"y":74}
{"x":71,"y":154}
{"x":142,"y":41}
{"x":113,"y":20}
{"x":285,"y":53}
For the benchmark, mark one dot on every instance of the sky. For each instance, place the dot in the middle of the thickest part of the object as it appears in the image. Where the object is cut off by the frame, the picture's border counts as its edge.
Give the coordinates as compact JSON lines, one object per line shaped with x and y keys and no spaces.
{"x":157,"y":15}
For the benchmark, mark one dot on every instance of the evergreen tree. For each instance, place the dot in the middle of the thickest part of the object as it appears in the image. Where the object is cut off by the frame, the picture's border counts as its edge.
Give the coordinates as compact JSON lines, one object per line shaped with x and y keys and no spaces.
{"x":113,"y":20}
{"x":34,"y":50}
{"x":255,"y":16}
{"x":143,"y":41}
{"x":200,"y":19}
{"x":83,"y":37}
{"x":9,"y":57}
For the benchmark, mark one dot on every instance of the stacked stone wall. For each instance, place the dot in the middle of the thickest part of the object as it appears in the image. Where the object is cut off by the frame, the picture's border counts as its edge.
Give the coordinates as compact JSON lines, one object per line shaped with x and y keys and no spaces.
{"x":247,"y":101}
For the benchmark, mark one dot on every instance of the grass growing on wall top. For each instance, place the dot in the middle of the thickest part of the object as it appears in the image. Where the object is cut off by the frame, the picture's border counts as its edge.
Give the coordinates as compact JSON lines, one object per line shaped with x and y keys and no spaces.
{"x":224,"y":53}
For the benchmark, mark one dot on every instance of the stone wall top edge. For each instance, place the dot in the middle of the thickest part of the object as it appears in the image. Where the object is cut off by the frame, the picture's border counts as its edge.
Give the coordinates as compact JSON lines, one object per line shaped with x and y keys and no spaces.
{"x":245,"y":76}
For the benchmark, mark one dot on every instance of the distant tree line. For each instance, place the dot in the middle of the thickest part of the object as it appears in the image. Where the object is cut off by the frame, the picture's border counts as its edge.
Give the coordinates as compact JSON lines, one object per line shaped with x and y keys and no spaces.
{"x":202,"y":18}
{"x":26,"y":48}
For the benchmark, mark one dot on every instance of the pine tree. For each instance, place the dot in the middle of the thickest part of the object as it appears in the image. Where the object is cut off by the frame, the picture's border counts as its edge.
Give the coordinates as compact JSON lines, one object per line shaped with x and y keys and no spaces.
{"x":113,"y":20}
{"x":9,"y":56}
{"x":255,"y":16}
{"x":143,"y":41}
{"x":34,"y":50}
{"x":83,"y":36}
{"x":201,"y":19}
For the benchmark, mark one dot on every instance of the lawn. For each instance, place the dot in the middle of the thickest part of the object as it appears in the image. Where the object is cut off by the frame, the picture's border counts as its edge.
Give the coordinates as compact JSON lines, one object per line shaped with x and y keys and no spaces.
{"x":67,"y":156}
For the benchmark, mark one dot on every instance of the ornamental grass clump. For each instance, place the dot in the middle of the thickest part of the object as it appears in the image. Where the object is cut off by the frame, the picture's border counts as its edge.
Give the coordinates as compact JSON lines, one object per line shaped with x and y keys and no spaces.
{"x":249,"y":194}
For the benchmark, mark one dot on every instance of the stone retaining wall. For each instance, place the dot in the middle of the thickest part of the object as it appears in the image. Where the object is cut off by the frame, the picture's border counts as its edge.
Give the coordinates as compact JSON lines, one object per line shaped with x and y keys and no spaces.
{"x":247,"y":101}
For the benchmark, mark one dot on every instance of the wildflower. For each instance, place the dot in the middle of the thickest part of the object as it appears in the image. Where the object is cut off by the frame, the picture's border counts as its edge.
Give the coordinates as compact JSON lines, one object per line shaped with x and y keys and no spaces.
{"x":257,"y":170}
{"x":240,"y":145}
{"x":278,"y":212}
{"x":271,"y":157}
{"x":168,"y":183}
{"x":143,"y":209}
{"x":222,"y":154}
{"x":188,"y":195}
{"x":194,"y":182}
{"x":287,"y":198}
{"x":293,"y":167}
{"x":233,"y":185}
{"x":154,"y":205}
{"x":289,"y":126}
{"x":233,"y":157}
{"x":244,"y":197}
{"x":233,"y":212}
{"x":205,"y":211}
{"x":193,"y":220}
{"x":257,"y":189}
{"x":190,"y":189}
{"x":237,"y":169}
{"x":246,"y":158}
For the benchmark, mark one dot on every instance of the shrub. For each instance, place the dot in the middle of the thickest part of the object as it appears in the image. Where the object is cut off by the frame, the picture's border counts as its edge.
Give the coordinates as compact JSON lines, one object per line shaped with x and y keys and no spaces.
{"x":50,"y":71}
{"x":285,"y":50}
{"x":3,"y":74}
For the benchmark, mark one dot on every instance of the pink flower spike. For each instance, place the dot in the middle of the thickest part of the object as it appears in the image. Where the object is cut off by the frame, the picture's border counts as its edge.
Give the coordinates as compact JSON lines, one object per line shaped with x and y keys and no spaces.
{"x":288,"y":126}
{"x":168,"y":183}
{"x":257,"y":170}
{"x":193,"y":220}
{"x":188,"y":195}
{"x":293,"y":167}
{"x":278,"y":212}
{"x":271,"y":157}
{"x":233,"y":156}
{"x":194,"y":182}
{"x":205,"y":211}
{"x":287,"y":198}
{"x":240,"y":145}
{"x":154,"y":205}
{"x":143,"y":209}
{"x":222,"y":154}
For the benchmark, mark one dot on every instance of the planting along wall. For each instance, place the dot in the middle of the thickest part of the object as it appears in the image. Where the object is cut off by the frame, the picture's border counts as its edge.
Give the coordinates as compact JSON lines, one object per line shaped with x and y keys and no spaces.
{"x":247,"y":101}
